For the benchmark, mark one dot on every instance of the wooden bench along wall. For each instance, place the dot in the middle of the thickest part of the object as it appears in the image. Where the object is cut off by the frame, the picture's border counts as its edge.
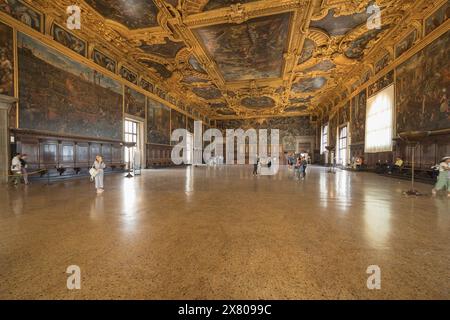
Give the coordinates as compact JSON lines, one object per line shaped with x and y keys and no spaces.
{"x":64,"y":155}
{"x":159,"y":156}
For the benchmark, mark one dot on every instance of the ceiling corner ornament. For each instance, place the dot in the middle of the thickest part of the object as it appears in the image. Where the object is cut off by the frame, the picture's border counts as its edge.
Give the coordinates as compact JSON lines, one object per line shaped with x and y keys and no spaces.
{"x":238,"y":14}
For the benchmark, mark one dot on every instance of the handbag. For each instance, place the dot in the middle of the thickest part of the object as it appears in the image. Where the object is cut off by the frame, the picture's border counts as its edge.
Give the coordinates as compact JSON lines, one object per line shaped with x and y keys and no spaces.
{"x":93,"y":172}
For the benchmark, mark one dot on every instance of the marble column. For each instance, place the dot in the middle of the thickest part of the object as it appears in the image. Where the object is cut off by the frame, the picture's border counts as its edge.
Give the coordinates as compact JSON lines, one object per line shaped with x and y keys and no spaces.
{"x":6,"y":103}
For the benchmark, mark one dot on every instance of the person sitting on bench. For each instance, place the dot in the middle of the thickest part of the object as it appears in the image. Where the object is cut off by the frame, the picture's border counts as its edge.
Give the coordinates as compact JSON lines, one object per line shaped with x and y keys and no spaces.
{"x":397,"y":165}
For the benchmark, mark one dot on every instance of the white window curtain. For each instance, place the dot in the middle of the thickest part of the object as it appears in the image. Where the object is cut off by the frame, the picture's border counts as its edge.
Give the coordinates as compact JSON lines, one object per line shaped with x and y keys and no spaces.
{"x":379,"y":121}
{"x":324,"y":139}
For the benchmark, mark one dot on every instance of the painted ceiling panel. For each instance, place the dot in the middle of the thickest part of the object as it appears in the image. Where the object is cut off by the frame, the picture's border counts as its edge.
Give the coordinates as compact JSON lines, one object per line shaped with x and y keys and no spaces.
{"x":337,"y":26}
{"x":216,"y":4}
{"x":309,"y":85}
{"x":258,"y":102}
{"x":169,"y":49}
{"x":134,"y":14}
{"x":251,"y":50}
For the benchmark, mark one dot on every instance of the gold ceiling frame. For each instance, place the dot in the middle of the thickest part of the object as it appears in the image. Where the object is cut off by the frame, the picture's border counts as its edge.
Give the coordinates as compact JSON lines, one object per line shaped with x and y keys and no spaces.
{"x":421,"y":42}
{"x":49,"y":42}
{"x":239,"y":14}
{"x":118,"y":42}
{"x":176,"y":23}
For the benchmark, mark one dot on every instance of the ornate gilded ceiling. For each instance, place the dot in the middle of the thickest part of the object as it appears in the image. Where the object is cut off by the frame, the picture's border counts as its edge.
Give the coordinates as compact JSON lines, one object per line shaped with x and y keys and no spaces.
{"x":244,"y":58}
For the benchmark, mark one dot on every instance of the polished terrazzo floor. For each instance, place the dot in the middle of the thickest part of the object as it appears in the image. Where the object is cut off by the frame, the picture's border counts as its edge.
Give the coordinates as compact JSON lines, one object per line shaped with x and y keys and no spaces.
{"x":220,"y":233}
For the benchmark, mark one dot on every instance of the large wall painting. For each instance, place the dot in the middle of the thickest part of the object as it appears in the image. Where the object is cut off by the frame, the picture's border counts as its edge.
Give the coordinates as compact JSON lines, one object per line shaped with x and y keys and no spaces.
{"x":23,"y":13}
{"x":423,"y":87}
{"x":344,"y":114}
{"x":6,"y":60}
{"x":69,"y":40}
{"x":158,"y":121}
{"x":358,"y":120}
{"x":177,"y":120}
{"x":290,"y":128}
{"x":250,"y":50}
{"x":61,"y":95}
{"x":437,"y":18}
{"x":134,"y":103}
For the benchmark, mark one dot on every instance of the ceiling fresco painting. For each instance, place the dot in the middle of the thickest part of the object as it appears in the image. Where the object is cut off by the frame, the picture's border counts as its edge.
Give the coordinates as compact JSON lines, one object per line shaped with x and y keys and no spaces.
{"x":228,"y":59}
{"x":340,"y":25}
{"x":309,"y":85}
{"x":194,"y":79}
{"x":208,"y":93}
{"x":356,"y":48}
{"x":324,"y":65}
{"x":300,"y":100}
{"x":134,"y":14}
{"x":196,"y":65}
{"x":247,"y":51}
{"x":258,"y":102}
{"x":168,"y":49}
{"x":216,"y":4}
{"x":308,"y":50}
{"x":160,"y":69}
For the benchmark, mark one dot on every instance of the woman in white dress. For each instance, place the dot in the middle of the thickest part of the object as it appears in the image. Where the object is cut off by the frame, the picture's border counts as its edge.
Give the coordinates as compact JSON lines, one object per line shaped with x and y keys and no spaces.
{"x":99,"y":165}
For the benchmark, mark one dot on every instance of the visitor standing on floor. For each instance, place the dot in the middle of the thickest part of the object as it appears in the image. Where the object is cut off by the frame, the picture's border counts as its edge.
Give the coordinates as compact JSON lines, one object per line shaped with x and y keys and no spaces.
{"x":255,"y":167}
{"x":99,"y":165}
{"x":444,"y":177}
{"x":303,"y":165}
{"x":297,"y":168}
{"x":24,"y":167}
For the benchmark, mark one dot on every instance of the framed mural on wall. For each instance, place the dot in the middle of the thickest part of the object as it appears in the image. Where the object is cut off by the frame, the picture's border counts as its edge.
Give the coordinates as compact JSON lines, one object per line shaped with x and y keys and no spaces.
{"x":134,"y":103}
{"x":158,"y":122}
{"x":104,"y":61}
{"x":382,"y":63}
{"x":128,"y":75}
{"x":69,"y":40}
{"x":381,"y":83}
{"x":405,"y":44}
{"x":437,"y":18}
{"x":6,"y":60}
{"x":146,"y":85}
{"x":344,"y":114}
{"x":423,"y":87}
{"x":177,"y":120}
{"x":63,"y":96}
{"x":23,"y":12}
{"x":358,"y":117}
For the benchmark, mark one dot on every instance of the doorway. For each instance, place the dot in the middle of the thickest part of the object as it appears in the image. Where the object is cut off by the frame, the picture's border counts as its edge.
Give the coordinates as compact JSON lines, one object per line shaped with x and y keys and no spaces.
{"x":133,"y":133}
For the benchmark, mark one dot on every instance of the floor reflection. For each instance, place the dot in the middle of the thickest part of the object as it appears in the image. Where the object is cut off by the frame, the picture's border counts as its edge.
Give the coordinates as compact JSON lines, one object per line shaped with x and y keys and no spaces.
{"x":377,"y":220}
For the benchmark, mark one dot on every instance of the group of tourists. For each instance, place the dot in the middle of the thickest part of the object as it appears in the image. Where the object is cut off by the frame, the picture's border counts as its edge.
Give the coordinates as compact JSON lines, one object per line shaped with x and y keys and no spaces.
{"x":299,"y":164}
{"x":19,"y":171}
